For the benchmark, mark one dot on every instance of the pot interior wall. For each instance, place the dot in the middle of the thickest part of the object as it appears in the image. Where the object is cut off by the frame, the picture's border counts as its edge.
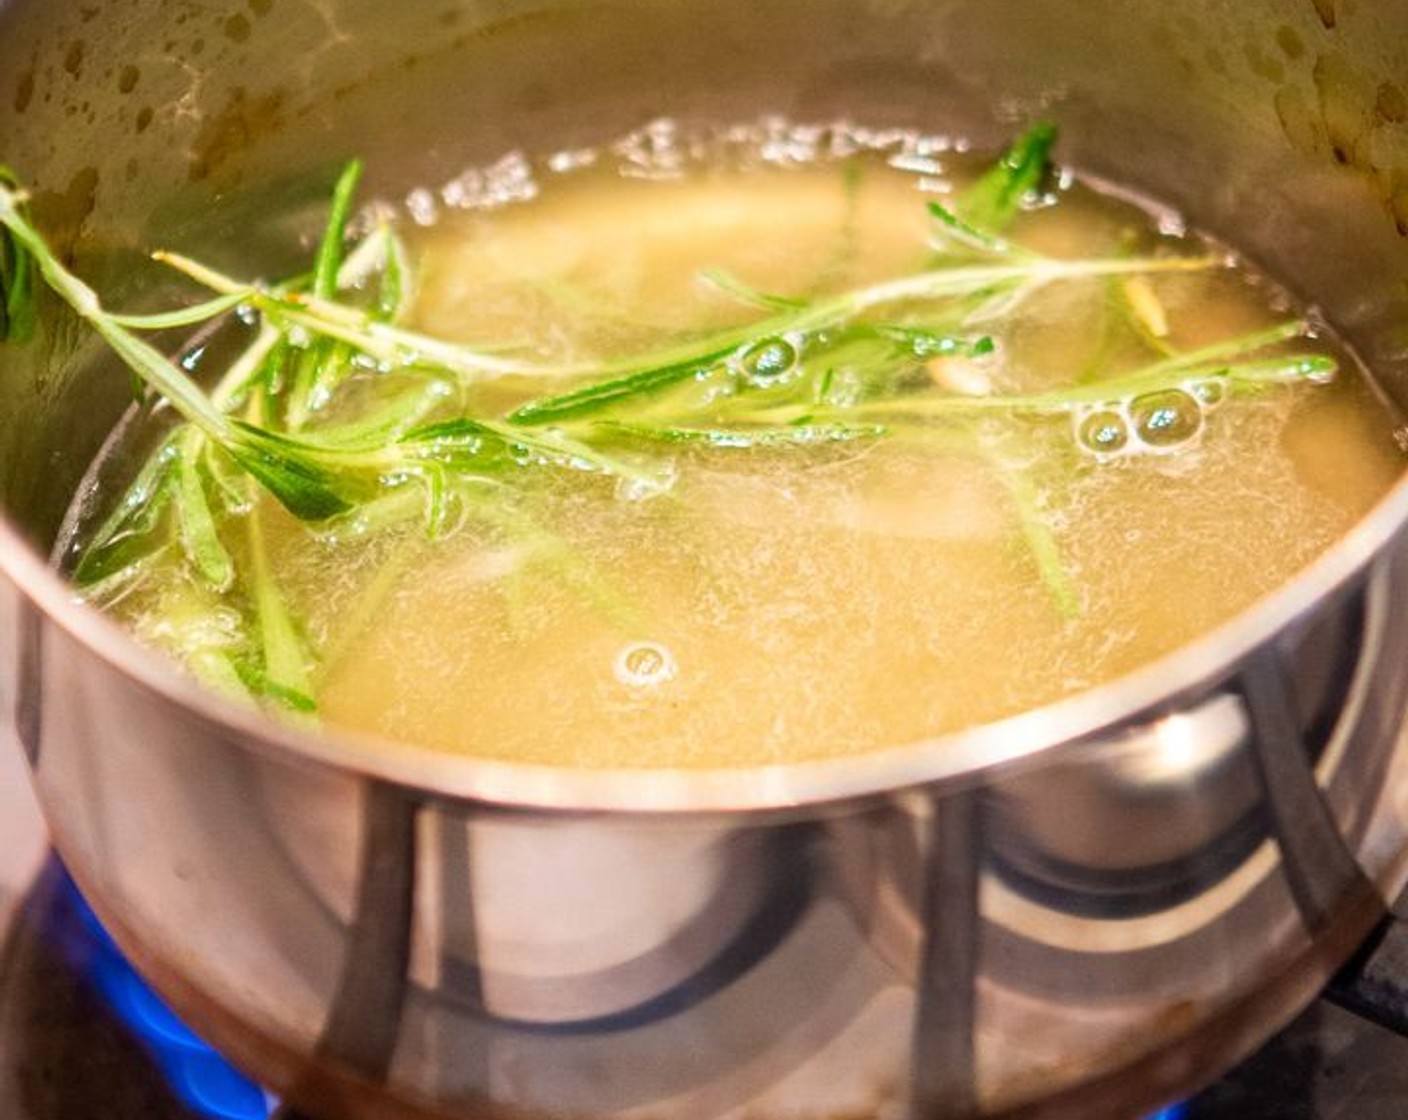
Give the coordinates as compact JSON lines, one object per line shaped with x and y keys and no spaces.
{"x":1282,"y":128}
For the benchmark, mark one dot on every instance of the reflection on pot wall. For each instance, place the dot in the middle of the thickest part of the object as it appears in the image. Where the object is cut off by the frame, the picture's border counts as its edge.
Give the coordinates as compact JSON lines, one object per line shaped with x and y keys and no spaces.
{"x":1089,"y":931}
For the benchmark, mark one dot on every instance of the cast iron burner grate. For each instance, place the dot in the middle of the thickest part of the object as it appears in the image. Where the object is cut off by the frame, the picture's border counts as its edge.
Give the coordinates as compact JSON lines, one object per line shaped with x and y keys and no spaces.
{"x":99,"y":1038}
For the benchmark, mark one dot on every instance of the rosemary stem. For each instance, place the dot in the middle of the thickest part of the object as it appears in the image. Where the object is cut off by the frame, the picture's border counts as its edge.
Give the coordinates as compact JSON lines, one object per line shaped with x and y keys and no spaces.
{"x":400,"y":346}
{"x":152,"y":366}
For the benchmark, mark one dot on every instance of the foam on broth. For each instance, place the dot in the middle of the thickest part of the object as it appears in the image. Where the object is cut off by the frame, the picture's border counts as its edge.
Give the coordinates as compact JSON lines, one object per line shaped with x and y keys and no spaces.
{"x":794,"y":604}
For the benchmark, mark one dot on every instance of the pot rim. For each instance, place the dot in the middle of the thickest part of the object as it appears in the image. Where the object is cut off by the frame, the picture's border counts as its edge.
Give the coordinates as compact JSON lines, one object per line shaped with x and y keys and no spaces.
{"x":956,"y":758}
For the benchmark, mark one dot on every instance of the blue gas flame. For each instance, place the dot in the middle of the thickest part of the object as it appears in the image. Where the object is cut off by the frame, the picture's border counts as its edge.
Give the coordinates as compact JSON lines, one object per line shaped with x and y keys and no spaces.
{"x":203,"y":1080}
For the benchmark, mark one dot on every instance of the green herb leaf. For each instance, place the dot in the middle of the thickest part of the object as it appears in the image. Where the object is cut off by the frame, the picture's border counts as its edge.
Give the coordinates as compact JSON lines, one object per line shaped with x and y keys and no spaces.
{"x":323,"y":364}
{"x":284,"y":675}
{"x":130,"y":532}
{"x":17,"y":312}
{"x":217,"y":670}
{"x":952,"y":232}
{"x":743,"y":438}
{"x":183,"y":317}
{"x":332,"y":247}
{"x":613,"y":391}
{"x":306,"y":480}
{"x":388,"y":423}
{"x":998,"y":196}
{"x":731,"y":285}
{"x":199,"y":536}
{"x":261,"y":683}
{"x":1039,"y":538}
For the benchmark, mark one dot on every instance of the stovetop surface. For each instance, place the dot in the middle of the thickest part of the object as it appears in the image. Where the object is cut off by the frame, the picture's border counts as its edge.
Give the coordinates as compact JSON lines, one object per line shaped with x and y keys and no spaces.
{"x":82,"y":1039}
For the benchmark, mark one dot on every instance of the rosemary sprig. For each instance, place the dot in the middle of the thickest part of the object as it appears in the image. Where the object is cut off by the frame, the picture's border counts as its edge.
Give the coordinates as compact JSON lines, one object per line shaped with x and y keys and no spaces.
{"x":1218,"y":371}
{"x":639,"y":377}
{"x":396,"y":347}
{"x":1245,"y":375}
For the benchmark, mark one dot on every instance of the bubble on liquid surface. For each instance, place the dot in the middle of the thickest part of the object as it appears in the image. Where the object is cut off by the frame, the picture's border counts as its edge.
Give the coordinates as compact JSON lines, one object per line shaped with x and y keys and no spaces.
{"x":647,"y":483}
{"x":644,"y":664}
{"x":1210,"y":393}
{"x":1317,"y":370}
{"x":768,"y":360}
{"x":1104,"y":432}
{"x":1166,"y":418}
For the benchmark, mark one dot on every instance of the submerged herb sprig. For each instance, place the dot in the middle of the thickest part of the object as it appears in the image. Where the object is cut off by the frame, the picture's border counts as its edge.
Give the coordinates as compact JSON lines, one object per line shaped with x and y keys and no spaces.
{"x":863,"y":364}
{"x":16,"y":276}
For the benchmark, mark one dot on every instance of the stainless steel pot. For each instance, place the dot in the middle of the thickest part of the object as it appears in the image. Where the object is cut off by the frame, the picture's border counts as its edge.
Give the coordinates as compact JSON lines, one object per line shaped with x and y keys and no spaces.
{"x":1082,"y":911}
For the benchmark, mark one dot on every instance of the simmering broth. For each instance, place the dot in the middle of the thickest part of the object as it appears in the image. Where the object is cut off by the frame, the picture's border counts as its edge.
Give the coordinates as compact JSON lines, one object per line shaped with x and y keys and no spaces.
{"x":806,"y":598}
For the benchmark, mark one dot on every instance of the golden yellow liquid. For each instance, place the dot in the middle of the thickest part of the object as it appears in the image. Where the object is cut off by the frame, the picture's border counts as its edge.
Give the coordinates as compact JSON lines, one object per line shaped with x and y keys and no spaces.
{"x":806,"y":604}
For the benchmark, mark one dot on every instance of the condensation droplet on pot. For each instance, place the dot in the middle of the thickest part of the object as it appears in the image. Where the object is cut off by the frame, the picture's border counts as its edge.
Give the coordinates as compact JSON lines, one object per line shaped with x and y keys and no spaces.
{"x":1167,"y":418}
{"x":644,"y":664}
{"x":1104,"y":432}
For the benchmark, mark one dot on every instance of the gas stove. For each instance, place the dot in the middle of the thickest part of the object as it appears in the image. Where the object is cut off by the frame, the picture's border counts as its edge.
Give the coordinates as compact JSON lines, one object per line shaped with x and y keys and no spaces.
{"x":83,"y":1038}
